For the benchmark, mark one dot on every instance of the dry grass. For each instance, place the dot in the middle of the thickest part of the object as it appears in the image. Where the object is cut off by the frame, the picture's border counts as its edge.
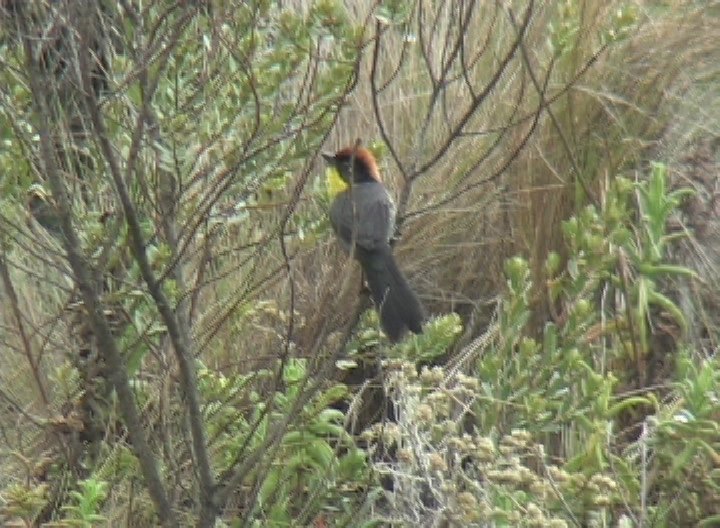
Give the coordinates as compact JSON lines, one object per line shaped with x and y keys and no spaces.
{"x":628,"y":107}
{"x":605,"y":119}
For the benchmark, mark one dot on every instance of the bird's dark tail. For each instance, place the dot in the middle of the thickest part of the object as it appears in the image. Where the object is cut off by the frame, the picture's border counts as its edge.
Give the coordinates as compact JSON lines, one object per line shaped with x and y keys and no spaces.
{"x":399,"y":307}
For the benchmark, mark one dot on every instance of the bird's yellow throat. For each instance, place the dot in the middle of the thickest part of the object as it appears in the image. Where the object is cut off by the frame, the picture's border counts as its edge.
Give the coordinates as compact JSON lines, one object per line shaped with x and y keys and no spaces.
{"x":335,"y":183}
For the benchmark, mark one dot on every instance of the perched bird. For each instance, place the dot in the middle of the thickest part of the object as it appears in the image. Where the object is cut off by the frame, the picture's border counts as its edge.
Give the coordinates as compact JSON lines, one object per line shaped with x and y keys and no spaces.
{"x":362,"y":214}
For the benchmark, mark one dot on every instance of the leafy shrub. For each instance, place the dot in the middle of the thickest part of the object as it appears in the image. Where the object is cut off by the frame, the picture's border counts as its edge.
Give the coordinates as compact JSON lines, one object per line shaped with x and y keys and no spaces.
{"x":535,"y":436}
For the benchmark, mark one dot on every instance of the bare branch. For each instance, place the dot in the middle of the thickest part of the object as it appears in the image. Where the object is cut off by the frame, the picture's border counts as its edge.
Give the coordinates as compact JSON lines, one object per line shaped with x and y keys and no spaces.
{"x":83,"y":276}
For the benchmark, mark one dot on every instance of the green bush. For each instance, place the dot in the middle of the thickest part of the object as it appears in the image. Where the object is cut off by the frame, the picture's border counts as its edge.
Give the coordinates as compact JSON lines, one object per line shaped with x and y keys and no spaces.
{"x":546,"y":431}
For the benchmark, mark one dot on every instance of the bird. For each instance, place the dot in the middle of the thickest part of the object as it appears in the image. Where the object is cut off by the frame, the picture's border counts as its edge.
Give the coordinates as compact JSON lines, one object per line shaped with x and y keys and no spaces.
{"x":362,"y":215}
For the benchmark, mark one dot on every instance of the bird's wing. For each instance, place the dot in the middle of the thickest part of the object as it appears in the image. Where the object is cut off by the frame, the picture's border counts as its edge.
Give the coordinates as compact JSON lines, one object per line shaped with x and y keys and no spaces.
{"x":370,"y":221}
{"x":375,"y":224}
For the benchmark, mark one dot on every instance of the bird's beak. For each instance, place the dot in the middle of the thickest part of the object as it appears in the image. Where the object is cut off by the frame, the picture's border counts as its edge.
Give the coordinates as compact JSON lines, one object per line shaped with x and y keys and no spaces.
{"x":329,"y":159}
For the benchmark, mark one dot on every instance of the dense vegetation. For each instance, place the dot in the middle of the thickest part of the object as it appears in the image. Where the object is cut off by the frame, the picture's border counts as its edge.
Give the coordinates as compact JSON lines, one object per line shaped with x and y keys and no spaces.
{"x":184,"y":343}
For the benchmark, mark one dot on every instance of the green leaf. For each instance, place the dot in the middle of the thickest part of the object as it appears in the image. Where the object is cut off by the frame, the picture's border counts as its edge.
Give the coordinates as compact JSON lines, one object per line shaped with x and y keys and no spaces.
{"x":320,"y":452}
{"x":627,"y":403}
{"x":657,"y":298}
{"x":353,"y":464}
{"x":659,"y":270}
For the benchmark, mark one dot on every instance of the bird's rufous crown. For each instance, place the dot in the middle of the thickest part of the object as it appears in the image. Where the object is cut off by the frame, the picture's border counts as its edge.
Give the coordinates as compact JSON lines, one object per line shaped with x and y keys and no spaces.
{"x":363,"y":157}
